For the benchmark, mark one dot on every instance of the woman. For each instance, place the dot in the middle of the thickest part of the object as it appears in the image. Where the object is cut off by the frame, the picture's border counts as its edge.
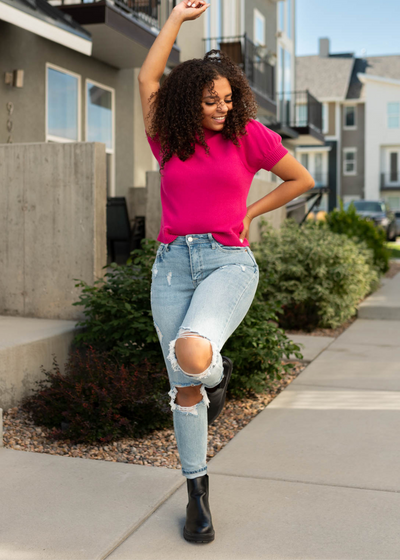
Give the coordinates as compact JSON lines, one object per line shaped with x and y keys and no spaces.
{"x":200,"y":126}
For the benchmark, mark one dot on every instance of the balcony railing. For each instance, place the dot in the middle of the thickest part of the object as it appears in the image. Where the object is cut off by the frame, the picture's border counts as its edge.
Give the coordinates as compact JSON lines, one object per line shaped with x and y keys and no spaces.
{"x":390,"y":180}
{"x":299,"y":109}
{"x":145,"y":10}
{"x":259,"y":72}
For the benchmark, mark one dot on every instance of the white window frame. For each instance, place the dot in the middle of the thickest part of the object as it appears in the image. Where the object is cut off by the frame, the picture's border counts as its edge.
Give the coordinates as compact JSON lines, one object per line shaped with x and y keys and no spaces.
{"x":325,"y":108}
{"x":111,"y":150}
{"x":393,"y":115}
{"x":346,"y":151}
{"x":50,"y":137}
{"x":353,"y":127}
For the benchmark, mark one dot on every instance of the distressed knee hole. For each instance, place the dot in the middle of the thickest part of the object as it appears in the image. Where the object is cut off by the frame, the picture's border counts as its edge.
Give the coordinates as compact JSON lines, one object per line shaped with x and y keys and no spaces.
{"x":185,"y":332}
{"x":193,"y":409}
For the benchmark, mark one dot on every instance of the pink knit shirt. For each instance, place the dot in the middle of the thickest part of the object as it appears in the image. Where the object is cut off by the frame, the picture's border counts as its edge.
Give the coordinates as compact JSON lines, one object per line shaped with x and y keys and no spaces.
{"x":208,"y":193}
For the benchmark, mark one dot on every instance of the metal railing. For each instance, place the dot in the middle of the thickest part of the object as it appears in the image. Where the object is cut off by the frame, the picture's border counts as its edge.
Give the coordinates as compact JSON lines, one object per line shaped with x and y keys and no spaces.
{"x":300,"y":109}
{"x":246,"y":54}
{"x":145,"y":10}
{"x":390,"y":180}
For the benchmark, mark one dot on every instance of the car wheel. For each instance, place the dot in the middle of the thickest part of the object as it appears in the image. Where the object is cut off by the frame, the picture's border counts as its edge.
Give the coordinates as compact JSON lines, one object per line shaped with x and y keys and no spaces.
{"x":393,"y":236}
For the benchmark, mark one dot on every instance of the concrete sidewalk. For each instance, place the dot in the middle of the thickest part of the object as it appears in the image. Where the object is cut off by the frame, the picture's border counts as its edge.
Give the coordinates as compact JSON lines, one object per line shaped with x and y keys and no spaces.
{"x":314,"y":476}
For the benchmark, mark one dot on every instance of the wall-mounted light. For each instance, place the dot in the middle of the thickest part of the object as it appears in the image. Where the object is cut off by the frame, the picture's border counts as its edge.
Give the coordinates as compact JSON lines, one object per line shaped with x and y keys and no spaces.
{"x":15,"y":78}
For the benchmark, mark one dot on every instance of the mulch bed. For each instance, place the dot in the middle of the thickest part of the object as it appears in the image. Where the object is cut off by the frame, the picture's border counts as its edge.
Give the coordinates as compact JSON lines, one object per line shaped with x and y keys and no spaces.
{"x":157,"y":449}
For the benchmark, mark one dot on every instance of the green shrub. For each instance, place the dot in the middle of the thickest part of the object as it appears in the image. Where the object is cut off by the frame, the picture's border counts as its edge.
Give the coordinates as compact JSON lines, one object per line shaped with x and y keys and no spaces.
{"x":118,"y":316}
{"x":258,"y":347}
{"x":319,"y":276}
{"x":119,"y":321}
{"x":359,"y":229}
{"x":100,"y":400}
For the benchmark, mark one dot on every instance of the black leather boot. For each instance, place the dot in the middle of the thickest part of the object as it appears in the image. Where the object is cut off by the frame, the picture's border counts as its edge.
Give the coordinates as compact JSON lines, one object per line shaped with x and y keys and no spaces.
{"x":198,"y":527}
{"x":217,"y":394}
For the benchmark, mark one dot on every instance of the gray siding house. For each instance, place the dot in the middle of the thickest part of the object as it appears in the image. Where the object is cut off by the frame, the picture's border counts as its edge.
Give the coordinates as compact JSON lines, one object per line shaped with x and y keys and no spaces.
{"x":361,"y":123}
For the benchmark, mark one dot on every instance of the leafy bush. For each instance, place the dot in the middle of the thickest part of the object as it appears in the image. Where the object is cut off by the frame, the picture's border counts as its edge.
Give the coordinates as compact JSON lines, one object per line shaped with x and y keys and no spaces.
{"x":119,"y":320}
{"x":100,"y":400}
{"x":360,"y":230}
{"x":319,"y":276}
{"x":118,"y":311}
{"x":258,"y":347}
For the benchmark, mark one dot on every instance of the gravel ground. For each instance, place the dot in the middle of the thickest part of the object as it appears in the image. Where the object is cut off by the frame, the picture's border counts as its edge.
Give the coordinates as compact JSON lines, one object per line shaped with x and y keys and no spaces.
{"x":157,"y":449}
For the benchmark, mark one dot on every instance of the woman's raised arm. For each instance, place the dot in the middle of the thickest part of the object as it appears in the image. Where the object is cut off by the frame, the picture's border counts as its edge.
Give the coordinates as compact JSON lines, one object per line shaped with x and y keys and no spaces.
{"x":156,"y":60}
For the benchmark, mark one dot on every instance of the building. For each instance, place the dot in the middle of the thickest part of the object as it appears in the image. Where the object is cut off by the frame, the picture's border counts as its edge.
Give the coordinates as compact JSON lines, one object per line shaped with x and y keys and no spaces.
{"x":71,"y":69}
{"x":361,"y":121}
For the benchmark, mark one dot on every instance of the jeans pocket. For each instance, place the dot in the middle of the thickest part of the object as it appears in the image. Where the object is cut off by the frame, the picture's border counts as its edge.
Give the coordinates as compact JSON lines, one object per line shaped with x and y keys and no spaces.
{"x":230,"y":248}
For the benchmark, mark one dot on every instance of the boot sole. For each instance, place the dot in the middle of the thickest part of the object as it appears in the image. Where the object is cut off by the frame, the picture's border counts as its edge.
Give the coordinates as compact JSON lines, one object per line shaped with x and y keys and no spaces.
{"x":198,"y":538}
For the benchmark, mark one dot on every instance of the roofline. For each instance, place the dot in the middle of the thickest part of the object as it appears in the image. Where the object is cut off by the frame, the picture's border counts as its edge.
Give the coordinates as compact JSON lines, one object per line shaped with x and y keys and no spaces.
{"x":69,"y":38}
{"x":364,"y":78}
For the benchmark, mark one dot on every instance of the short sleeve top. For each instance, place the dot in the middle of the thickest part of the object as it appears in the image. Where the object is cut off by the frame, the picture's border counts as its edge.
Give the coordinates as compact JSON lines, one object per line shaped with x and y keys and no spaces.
{"x":207,"y":193}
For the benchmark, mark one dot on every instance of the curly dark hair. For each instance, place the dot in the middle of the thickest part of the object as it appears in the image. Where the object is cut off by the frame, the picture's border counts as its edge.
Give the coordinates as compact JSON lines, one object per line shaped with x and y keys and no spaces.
{"x":176,"y":112}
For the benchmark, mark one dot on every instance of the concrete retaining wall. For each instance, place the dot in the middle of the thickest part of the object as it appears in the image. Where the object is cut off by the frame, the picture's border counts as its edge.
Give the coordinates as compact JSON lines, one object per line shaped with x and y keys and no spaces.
{"x":52,"y":226}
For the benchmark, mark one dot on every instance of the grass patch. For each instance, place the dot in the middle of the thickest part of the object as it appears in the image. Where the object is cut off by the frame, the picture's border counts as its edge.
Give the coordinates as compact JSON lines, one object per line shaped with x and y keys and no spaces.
{"x":394,"y":249}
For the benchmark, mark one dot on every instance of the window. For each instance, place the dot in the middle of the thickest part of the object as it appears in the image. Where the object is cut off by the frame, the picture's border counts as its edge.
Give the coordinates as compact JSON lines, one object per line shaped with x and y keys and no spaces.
{"x":393,"y":115}
{"x":219,"y":18}
{"x":394,"y":167}
{"x":349,"y":116}
{"x":349,"y":161}
{"x":62,"y":105}
{"x":208,"y":30}
{"x":318,"y":170}
{"x":301,"y":117}
{"x":325,"y":118}
{"x":100,"y":123}
{"x":259,"y":31}
{"x":304,"y":160}
{"x":281,"y":16}
{"x":289,"y":18}
{"x":259,"y":28}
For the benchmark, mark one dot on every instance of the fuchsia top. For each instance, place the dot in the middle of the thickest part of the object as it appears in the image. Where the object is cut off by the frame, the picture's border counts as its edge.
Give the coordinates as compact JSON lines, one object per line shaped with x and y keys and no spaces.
{"x":208,"y":193}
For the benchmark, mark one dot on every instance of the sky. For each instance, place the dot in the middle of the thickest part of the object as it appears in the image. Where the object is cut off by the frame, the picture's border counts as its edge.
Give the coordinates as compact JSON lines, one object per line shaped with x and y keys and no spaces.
{"x":351,"y":25}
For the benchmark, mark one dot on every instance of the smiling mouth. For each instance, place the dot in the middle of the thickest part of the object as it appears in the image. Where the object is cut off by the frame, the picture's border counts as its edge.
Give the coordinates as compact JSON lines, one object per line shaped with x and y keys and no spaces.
{"x":219,"y":119}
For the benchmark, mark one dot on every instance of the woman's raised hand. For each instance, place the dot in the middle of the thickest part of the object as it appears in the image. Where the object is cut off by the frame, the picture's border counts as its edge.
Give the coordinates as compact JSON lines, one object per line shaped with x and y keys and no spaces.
{"x":189,"y":9}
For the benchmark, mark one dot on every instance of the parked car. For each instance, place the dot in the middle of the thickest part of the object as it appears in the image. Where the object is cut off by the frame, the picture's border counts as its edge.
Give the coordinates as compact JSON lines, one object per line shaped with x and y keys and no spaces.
{"x":379,"y":212}
{"x":397,"y":214}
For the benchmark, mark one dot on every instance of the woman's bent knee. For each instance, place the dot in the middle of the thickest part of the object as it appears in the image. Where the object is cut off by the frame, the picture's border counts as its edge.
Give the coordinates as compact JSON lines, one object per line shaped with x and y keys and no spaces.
{"x":194,"y":353}
{"x":188,"y":396}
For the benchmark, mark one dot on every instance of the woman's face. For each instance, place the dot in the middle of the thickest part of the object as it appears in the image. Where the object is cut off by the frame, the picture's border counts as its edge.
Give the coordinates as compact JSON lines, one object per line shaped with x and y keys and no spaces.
{"x":215,"y":107}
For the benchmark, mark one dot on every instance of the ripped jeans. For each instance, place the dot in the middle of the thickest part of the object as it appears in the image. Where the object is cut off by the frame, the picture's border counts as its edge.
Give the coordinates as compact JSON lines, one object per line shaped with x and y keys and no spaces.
{"x":205,"y":288}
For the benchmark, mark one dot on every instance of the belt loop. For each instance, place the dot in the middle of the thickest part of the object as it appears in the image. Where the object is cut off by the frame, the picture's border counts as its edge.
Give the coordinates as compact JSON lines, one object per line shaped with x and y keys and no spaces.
{"x":210,"y":237}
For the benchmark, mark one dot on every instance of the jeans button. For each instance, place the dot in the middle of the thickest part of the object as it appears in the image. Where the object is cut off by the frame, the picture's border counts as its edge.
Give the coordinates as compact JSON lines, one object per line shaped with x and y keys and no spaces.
{"x":190,"y":238}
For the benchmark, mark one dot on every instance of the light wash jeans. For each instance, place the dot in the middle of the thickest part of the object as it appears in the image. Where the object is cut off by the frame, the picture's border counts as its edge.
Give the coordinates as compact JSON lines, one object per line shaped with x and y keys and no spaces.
{"x":201,"y":286}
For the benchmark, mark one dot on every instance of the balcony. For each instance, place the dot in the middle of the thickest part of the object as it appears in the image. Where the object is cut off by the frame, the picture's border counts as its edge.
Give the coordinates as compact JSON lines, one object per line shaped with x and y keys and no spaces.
{"x":122,"y":30}
{"x":300,"y":118}
{"x":254,"y":63}
{"x":390,"y":181}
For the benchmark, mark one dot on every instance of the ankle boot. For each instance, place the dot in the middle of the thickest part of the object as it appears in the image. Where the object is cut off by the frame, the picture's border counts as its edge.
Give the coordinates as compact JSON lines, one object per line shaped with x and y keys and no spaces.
{"x":198,"y":527}
{"x":217,"y":394}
